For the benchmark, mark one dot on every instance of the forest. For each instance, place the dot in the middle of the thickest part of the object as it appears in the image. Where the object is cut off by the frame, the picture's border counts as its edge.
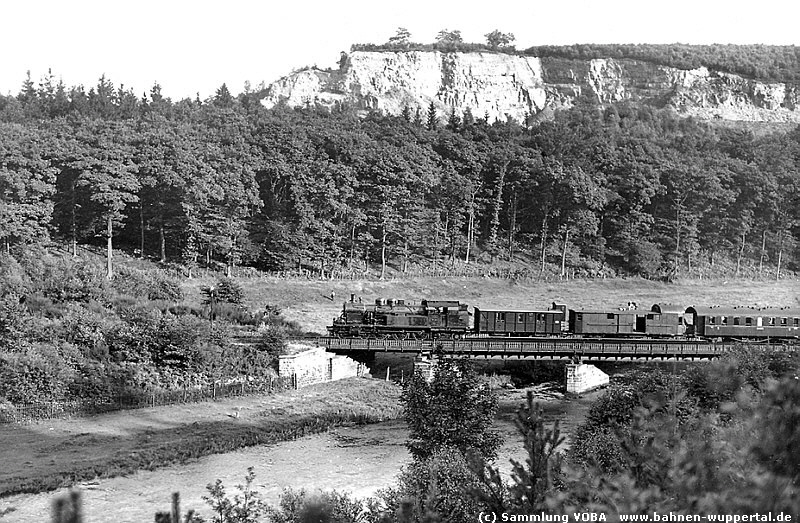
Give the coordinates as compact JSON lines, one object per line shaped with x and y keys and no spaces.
{"x":223,"y":182}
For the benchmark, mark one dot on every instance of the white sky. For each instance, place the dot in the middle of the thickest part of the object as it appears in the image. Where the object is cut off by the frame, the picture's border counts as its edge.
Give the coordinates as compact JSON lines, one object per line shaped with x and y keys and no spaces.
{"x":195,"y":46}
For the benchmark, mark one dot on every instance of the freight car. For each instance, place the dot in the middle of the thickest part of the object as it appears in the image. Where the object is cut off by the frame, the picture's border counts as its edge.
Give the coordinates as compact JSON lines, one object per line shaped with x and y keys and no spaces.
{"x":661,"y":320}
{"x":398,"y":319}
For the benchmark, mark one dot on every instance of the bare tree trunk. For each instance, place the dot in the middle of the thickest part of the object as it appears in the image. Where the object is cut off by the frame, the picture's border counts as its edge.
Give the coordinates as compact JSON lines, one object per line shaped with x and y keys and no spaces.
{"x":543,"y":243}
{"x":352,"y":246}
{"x":141,"y":229}
{"x":494,"y":225}
{"x":512,"y":227}
{"x":564,"y":253}
{"x":162,"y":243}
{"x":435,"y":242}
{"x":73,"y":225}
{"x":383,"y":250}
{"x":763,"y":252}
{"x":678,"y":203}
{"x":740,"y":254}
{"x":470,"y":224}
{"x":405,"y":256}
{"x":109,"y":233}
{"x":780,"y":257}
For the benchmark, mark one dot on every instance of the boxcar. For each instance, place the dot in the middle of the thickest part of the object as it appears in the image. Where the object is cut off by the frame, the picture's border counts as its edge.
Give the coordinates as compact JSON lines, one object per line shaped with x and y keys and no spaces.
{"x":612,"y":323}
{"x":661,"y":320}
{"x":665,"y":319}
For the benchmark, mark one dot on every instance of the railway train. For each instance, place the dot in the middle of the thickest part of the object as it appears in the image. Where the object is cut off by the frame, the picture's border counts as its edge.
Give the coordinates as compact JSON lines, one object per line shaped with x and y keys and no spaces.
{"x":452,"y":319}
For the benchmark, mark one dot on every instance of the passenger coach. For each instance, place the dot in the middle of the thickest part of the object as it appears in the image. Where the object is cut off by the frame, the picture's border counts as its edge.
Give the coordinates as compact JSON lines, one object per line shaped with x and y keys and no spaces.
{"x":742,"y":322}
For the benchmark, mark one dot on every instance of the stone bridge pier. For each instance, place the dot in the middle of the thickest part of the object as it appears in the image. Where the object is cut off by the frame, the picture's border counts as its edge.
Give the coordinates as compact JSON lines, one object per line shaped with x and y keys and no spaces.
{"x":578,"y":377}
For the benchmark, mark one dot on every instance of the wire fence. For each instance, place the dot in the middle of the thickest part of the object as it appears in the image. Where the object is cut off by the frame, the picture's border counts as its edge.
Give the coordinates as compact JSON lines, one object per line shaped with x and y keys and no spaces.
{"x":45,"y":410}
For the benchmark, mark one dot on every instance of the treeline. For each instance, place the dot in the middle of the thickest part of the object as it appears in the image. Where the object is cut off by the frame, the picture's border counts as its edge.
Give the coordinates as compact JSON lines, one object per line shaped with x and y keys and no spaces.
{"x":224,"y":182}
{"x":768,"y":63}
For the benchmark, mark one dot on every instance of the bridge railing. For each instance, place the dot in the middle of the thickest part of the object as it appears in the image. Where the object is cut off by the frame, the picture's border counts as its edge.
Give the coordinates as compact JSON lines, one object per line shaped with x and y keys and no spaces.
{"x":544,"y":347}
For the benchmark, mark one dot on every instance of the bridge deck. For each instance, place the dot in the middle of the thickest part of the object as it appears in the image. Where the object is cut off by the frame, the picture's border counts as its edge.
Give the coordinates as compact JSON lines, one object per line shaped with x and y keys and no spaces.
{"x":549,"y":348}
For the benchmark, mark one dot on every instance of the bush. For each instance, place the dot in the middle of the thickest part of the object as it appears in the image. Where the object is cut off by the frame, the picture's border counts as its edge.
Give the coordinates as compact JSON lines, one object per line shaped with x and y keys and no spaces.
{"x":596,"y":446}
{"x":63,"y":279}
{"x":272,"y":343}
{"x":87,"y":330}
{"x":38,"y":374}
{"x":329,"y":507}
{"x":42,"y":305}
{"x":645,"y":258}
{"x":13,"y":322}
{"x":452,"y":410}
{"x":233,"y":313}
{"x":152,"y":285}
{"x":245,"y":507}
{"x":226,"y":290}
{"x":439,"y":488}
{"x":13,"y":278}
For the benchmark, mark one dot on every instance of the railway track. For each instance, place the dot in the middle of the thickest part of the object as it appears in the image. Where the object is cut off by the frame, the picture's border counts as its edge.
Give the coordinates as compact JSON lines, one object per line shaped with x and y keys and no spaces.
{"x":549,"y":348}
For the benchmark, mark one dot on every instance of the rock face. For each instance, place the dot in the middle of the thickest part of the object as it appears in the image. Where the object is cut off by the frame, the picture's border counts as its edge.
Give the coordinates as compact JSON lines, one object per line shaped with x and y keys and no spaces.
{"x":504,"y":86}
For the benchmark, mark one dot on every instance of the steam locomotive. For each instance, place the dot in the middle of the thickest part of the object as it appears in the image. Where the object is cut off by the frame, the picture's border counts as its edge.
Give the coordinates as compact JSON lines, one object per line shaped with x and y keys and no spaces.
{"x":452,"y":319}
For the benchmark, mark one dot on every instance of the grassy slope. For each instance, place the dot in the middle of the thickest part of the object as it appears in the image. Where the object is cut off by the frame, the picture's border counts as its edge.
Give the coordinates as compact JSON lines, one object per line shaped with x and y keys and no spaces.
{"x":308,"y":301}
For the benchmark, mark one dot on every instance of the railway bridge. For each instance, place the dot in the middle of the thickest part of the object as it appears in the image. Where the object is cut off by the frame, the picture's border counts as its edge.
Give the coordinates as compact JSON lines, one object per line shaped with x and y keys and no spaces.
{"x":579,"y":352}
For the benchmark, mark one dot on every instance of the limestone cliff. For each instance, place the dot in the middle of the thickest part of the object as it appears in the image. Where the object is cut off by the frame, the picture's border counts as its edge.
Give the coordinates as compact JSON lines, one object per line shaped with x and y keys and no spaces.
{"x":505,"y":86}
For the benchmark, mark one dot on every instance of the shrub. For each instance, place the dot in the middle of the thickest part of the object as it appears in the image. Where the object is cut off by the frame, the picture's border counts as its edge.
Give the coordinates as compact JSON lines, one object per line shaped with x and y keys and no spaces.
{"x":233,"y":313}
{"x":645,"y":258}
{"x":596,"y":446}
{"x":272,"y":344}
{"x":330,"y":507}
{"x":38,"y":374}
{"x":164,"y":288}
{"x":86,"y":329}
{"x":64,"y":279}
{"x":177,"y":342}
{"x":13,"y":322}
{"x":13,"y":279}
{"x":245,"y":507}
{"x":152,"y":285}
{"x":452,"y":410}
{"x":36,"y":303}
{"x":535,"y":483}
{"x":226,"y":290}
{"x":439,"y":488}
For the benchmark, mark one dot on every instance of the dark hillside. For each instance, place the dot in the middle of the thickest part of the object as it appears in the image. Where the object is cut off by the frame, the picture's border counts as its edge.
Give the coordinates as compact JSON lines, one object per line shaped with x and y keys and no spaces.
{"x":224,"y":183}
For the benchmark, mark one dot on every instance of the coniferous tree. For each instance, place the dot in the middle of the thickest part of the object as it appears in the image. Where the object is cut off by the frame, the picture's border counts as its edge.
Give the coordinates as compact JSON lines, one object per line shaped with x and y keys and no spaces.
{"x":433,"y":120}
